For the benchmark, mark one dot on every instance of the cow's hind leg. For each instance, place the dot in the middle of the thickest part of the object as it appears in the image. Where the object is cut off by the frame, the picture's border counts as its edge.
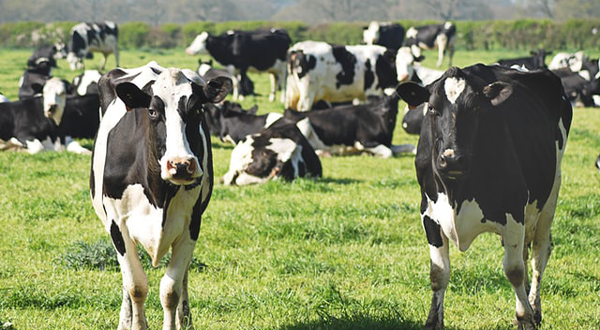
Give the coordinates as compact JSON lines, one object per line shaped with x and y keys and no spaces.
{"x":514,"y":268}
{"x":173,"y":290}
{"x":439,"y":272}
{"x":274,"y":85}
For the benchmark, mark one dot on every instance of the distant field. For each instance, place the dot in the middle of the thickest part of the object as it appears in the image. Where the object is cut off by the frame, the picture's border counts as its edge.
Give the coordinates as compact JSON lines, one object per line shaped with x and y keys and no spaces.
{"x":343,"y":252}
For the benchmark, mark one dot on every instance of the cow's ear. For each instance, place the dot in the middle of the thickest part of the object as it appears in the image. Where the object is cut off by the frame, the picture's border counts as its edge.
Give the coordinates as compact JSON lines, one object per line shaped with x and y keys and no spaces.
{"x":37,"y":88}
{"x":216,"y":89}
{"x":497,"y":92}
{"x":412,"y":93}
{"x":253,"y":110}
{"x":132,"y":96}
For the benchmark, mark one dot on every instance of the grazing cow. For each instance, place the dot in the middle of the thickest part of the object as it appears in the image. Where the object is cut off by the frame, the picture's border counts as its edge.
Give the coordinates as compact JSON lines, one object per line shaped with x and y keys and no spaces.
{"x":86,"y":83}
{"x":390,"y":35}
{"x":537,"y":60}
{"x":348,"y":129}
{"x":92,"y":37}
{"x":320,"y":71}
{"x":232,"y":124}
{"x":245,"y":85}
{"x":441,"y":36}
{"x":277,"y":152}
{"x":488,"y":160}
{"x":258,"y":50}
{"x":152,"y":178}
{"x":36,"y":124}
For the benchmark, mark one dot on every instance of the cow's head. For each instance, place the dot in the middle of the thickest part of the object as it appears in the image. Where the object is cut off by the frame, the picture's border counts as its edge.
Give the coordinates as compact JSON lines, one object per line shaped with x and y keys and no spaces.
{"x":454,"y":105}
{"x":54,"y":94}
{"x":177,"y":136}
{"x":371,"y":33}
{"x":406,"y":58}
{"x":198,"y":46}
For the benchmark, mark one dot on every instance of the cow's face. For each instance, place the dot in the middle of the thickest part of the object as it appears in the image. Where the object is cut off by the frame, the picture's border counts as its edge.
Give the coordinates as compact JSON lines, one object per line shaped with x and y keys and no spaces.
{"x":455,"y":104}
{"x":258,"y":159}
{"x":174,"y":108}
{"x":405,"y":62}
{"x":55,"y":97}
{"x":371,"y":34}
{"x":198,"y":46}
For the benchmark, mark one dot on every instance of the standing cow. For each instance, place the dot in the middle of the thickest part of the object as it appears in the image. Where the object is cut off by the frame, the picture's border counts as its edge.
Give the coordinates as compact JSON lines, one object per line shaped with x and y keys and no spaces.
{"x":488,"y":160}
{"x":152,"y":179}
{"x":92,"y":37}
{"x":390,"y":35}
{"x":243,"y":51}
{"x":440,"y":36}
{"x":333,"y":73}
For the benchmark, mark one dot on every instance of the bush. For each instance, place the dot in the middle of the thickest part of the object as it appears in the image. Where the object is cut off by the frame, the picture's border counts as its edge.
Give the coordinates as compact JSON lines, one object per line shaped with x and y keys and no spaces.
{"x":133,"y":35}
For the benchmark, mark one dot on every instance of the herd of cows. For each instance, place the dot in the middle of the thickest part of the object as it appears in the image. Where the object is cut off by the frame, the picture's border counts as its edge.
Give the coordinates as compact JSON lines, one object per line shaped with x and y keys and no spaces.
{"x":488,"y":159}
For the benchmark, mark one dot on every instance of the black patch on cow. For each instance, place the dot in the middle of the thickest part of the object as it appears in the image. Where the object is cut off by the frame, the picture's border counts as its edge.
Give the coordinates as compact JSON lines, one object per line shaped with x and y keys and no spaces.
{"x":304,"y":62}
{"x":117,"y":238}
{"x":171,"y":191}
{"x":77,"y":44}
{"x":432,"y":229}
{"x":348,"y":63}
{"x":369,"y":75}
{"x":385,"y":69}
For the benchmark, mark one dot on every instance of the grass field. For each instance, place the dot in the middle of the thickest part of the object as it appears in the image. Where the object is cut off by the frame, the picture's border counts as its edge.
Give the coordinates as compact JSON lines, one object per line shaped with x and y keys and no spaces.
{"x":344,"y":252}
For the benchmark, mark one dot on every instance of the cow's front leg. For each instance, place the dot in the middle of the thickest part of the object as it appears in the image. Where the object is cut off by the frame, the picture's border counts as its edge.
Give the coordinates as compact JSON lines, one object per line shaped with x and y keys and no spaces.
{"x":172,"y":295}
{"x":514,"y":269}
{"x":135,"y":282}
{"x":439,"y":272}
{"x":274,"y":85}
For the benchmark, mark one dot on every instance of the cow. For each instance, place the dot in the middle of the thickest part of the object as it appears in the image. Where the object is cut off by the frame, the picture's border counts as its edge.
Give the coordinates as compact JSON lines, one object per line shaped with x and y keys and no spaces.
{"x":245,"y":86}
{"x":48,"y":53}
{"x":567,"y":60}
{"x":256,"y":50}
{"x":278,"y":152}
{"x":350,"y":129}
{"x":36,"y":124}
{"x":152,"y":177}
{"x":598,"y":163}
{"x":232,"y":124}
{"x":92,"y":37}
{"x":413,"y":118}
{"x":334,"y":73}
{"x":33,"y":80}
{"x":537,"y":60}
{"x":488,"y":160}
{"x":440,"y":36}
{"x":86,"y":83}
{"x":82,"y":116}
{"x":390,"y":35}
{"x":580,"y":91}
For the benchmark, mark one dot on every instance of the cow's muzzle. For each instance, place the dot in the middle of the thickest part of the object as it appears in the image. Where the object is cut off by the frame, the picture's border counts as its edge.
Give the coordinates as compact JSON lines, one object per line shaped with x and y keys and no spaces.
{"x":182,"y":171}
{"x":51,"y":110}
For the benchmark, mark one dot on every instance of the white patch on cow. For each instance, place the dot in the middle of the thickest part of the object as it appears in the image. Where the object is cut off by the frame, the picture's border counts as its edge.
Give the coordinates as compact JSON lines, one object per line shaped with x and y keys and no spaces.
{"x":198,"y":46}
{"x":427,"y":75}
{"x":411,"y":33}
{"x":284,"y":148}
{"x":55,"y":99}
{"x":453,"y":88}
{"x":585,"y":74}
{"x":447,"y":25}
{"x":272,"y":117}
{"x":203,"y":68}
{"x":371,"y":34}
{"x":404,"y":64}
{"x":88,"y":77}
{"x":4,"y":98}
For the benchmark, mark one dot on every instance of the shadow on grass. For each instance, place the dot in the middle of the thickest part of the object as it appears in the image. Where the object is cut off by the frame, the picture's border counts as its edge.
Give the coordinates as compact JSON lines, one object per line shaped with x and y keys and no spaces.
{"x":356,"y":323}
{"x":340,"y":181}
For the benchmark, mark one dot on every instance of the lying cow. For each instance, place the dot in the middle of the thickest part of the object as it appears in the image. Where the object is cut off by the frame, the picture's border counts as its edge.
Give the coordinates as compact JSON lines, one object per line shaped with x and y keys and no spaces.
{"x":35,"y":124}
{"x":92,"y":37}
{"x":232,"y":124}
{"x":488,"y":160}
{"x":580,"y":91}
{"x":537,"y":60}
{"x":48,"y":53}
{"x":389,"y":35}
{"x":440,"y":36}
{"x":33,"y":80}
{"x":152,"y":178}
{"x":243,"y":51}
{"x":350,"y":129}
{"x":279,"y":152}
{"x":320,"y":71}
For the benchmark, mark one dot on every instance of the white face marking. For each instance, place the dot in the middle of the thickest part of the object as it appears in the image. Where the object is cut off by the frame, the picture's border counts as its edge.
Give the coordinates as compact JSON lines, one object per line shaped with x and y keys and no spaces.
{"x":89,"y":77}
{"x":411,"y":33}
{"x":448,"y":153}
{"x":371,"y":34}
{"x":453,"y":88}
{"x":404,"y":63}
{"x":55,"y":98}
{"x":198,"y":46}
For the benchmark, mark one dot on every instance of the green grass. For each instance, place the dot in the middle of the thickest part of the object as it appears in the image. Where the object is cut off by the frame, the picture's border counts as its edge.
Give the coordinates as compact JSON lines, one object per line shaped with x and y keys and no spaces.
{"x":344,"y":252}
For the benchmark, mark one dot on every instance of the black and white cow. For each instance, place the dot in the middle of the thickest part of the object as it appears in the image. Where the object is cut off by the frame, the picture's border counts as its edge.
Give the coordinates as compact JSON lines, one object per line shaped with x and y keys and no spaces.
{"x":92,"y":37}
{"x":390,"y":35}
{"x":152,"y":179}
{"x":207,"y":72}
{"x":537,"y":60}
{"x":37,"y":123}
{"x":580,"y":91}
{"x":488,"y":160}
{"x":598,"y":163}
{"x":231,"y":123}
{"x":48,"y":53}
{"x":321,"y":71}
{"x":257,"y":50}
{"x":440,"y":36}
{"x":278,"y":152}
{"x":33,"y":80}
{"x":350,"y":129}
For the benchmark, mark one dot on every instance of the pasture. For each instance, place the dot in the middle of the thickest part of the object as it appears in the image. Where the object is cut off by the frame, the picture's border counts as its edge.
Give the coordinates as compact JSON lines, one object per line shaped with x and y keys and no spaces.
{"x":346,"y":251}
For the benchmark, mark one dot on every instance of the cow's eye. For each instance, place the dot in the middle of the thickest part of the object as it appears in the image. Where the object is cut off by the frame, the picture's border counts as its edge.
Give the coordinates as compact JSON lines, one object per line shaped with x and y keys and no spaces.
{"x":153,"y":113}
{"x":431,"y":111}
